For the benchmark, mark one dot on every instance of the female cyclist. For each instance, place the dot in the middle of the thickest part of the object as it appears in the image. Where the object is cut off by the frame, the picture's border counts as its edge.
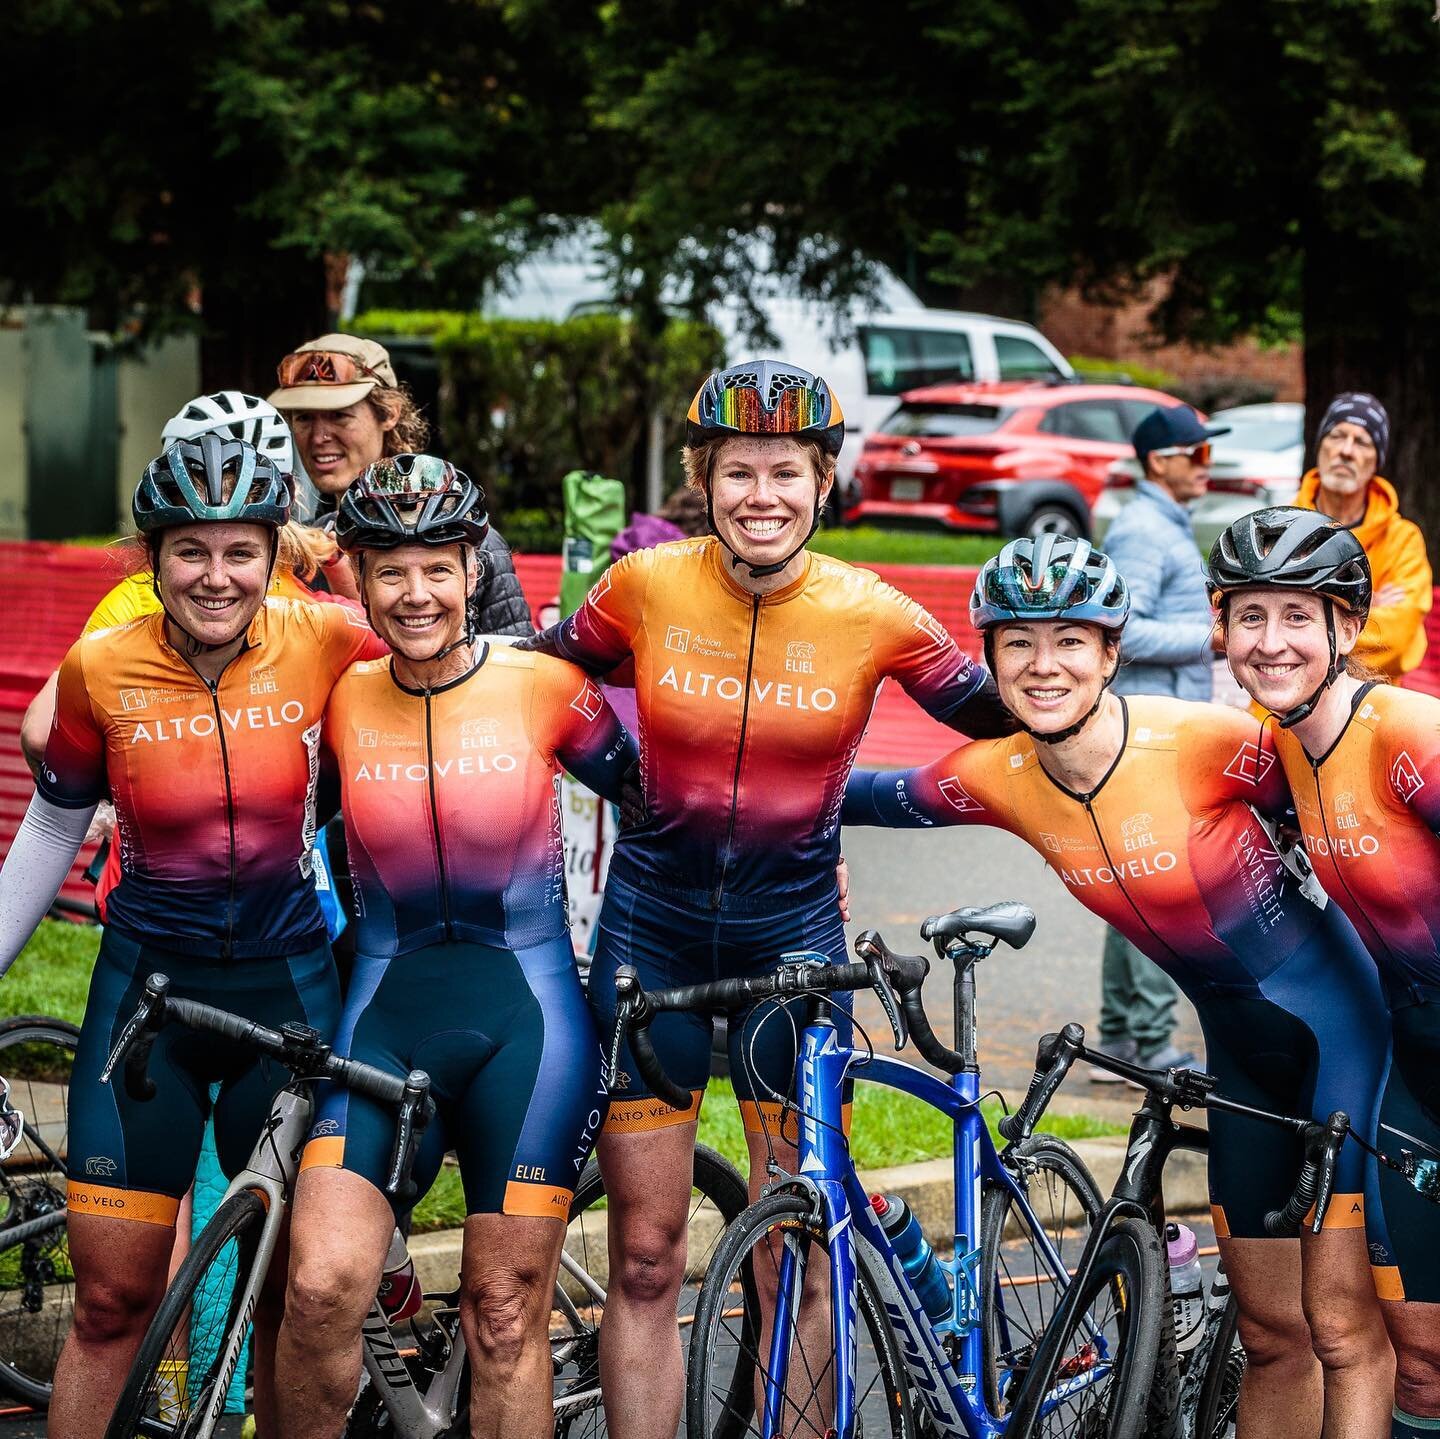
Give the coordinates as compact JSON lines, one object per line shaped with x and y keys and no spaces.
{"x":448,"y":753}
{"x":1363,"y":760}
{"x":1143,"y":806}
{"x":201,"y":722}
{"x":755,"y":664}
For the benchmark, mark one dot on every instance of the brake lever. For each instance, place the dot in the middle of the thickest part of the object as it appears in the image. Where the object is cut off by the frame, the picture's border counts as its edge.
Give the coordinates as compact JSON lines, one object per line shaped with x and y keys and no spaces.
{"x":880,"y":983}
{"x":1332,"y":1138}
{"x":138,"y":1038}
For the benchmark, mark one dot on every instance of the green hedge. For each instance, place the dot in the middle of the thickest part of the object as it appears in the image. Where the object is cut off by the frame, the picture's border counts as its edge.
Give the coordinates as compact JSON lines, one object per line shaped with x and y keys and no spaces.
{"x":524,"y":401}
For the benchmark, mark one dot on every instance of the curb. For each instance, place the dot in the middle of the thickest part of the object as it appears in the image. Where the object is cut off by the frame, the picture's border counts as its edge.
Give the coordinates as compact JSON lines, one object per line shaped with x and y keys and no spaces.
{"x":927,"y":1187}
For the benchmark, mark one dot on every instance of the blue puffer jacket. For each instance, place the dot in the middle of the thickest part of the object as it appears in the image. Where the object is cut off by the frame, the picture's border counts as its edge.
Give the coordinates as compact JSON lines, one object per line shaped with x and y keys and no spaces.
{"x":1166,"y":649}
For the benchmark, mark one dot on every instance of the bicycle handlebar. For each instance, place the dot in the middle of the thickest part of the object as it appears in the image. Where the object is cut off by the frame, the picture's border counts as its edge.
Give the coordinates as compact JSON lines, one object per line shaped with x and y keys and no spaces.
{"x":299,"y":1048}
{"x":1316,"y":1184}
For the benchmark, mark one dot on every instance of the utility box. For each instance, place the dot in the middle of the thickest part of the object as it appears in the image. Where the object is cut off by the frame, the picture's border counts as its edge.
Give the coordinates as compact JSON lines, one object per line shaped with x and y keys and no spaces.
{"x":79,"y":419}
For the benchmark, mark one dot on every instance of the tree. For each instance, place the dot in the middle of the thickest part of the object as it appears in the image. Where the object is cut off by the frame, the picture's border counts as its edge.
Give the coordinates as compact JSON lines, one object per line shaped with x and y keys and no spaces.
{"x":169,"y":156}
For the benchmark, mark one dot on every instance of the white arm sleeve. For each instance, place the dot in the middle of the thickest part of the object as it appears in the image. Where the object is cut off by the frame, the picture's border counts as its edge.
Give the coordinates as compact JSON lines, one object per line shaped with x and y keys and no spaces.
{"x":45,"y":847}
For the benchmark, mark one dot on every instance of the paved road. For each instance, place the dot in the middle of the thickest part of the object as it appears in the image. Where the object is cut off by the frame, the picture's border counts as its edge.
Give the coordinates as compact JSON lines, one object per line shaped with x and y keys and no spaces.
{"x":899,"y":877}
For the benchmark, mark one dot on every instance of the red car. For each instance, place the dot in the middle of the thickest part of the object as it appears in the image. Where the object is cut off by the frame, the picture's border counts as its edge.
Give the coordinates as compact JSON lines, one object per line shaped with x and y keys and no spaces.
{"x":1012,"y":459}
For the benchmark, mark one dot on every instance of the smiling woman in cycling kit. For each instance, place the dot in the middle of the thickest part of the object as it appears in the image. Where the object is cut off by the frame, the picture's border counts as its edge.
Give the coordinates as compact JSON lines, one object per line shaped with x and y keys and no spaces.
{"x":1143,"y":807}
{"x":202,"y":723}
{"x":755,"y":664}
{"x":1363,"y":760}
{"x":448,"y":752}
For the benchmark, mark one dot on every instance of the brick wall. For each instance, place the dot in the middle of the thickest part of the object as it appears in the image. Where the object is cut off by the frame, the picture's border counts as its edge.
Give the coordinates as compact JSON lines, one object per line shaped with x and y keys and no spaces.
{"x":1078,"y":327}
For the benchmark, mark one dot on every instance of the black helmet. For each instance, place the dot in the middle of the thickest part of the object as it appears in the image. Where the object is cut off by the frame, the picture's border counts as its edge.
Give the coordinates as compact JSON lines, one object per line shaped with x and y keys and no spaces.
{"x":405,"y":498}
{"x":1290,"y":548}
{"x":766,"y":397}
{"x":188,"y":483}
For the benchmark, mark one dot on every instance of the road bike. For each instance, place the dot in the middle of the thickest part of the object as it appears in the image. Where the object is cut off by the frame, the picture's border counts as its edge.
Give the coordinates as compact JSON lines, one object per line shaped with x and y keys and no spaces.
{"x":808,"y":1274}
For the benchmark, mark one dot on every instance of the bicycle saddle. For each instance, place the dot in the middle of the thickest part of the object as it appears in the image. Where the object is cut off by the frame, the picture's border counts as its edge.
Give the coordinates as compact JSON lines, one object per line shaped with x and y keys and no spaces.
{"x":1009,"y":921}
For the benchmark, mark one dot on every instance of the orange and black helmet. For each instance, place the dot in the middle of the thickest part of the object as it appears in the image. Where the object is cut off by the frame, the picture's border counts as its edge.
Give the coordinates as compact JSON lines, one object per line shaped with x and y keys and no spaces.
{"x":766,"y":397}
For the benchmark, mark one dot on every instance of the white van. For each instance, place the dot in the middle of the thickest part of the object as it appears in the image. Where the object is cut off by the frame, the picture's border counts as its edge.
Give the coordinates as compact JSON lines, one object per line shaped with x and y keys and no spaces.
{"x":890,"y":345}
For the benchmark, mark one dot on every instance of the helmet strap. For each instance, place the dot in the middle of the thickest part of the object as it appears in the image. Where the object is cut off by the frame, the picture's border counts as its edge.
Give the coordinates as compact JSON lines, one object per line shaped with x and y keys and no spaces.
{"x":1302,"y":712}
{"x":1058,"y":736}
{"x":760,"y":572}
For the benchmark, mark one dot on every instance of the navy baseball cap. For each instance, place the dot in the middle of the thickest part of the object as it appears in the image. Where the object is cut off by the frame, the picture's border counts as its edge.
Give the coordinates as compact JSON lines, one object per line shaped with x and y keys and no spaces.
{"x":1172,"y":427}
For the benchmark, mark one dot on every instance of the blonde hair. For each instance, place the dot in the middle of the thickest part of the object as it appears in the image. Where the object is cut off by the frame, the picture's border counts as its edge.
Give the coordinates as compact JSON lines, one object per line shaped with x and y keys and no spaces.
{"x":411,"y":431}
{"x":699,"y":460}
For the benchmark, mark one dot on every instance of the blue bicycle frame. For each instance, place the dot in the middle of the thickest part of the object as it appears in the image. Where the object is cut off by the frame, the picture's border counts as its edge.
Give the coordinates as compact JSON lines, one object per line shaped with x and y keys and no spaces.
{"x":949,"y":1390}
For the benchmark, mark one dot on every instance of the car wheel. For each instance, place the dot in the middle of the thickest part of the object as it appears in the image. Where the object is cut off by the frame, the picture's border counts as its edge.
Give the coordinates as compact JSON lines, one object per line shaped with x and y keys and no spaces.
{"x":1053,"y":520}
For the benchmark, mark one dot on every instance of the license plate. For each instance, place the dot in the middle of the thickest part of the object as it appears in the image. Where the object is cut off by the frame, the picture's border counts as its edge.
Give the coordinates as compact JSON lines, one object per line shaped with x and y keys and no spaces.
{"x":906,"y":489}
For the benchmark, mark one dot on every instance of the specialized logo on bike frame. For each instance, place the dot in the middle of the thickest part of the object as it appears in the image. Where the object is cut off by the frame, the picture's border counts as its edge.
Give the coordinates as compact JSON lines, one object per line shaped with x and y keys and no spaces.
{"x":1137,"y":832}
{"x":1405,"y":777}
{"x":957,"y":797}
{"x":1251,"y":764}
{"x":102,"y":1166}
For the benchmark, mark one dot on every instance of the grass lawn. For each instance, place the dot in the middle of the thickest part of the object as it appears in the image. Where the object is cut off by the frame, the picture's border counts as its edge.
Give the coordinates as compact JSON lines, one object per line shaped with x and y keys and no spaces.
{"x":888,"y":1128}
{"x":871,"y":545}
{"x":52,"y":974}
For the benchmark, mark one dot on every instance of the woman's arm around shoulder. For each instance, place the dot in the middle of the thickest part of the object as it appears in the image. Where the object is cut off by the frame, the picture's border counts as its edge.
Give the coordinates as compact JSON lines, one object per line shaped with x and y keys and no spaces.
{"x":961,"y":788}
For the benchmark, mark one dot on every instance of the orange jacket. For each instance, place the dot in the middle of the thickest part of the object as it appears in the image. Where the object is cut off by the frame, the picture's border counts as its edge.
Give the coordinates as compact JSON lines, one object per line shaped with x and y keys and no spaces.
{"x":1393,"y":640}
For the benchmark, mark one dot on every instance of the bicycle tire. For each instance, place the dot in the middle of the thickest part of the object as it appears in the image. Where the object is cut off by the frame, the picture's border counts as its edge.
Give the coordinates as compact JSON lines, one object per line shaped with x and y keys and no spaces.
{"x":1220,"y":1388}
{"x":718,"y":1188}
{"x":713,"y":1404}
{"x":1123,"y":1294}
{"x":36,"y":1284}
{"x":1017,"y":1294}
{"x":149,"y":1390}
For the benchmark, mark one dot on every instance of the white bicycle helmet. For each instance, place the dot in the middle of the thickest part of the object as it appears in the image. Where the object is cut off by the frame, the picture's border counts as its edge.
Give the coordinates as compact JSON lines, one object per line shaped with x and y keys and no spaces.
{"x":238,"y":416}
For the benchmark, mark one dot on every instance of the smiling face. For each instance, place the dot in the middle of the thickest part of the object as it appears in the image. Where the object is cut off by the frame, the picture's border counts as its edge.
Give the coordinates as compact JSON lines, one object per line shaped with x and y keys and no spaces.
{"x":213,"y":577}
{"x":1051,"y":673}
{"x":416,"y":597}
{"x":335,"y":445}
{"x":763,"y":492}
{"x":1278,"y":644}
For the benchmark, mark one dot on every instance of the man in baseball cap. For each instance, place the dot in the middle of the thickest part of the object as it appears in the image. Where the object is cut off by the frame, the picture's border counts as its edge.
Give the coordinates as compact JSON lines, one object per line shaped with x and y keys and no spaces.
{"x":1351,"y":446}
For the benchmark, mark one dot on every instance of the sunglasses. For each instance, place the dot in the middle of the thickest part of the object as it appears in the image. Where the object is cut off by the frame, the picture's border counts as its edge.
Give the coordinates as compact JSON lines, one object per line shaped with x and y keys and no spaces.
{"x":324,"y":367}
{"x":1196,"y":454}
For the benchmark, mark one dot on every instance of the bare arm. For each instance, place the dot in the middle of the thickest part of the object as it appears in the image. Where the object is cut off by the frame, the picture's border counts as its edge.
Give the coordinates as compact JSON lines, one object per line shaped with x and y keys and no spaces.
{"x":35,"y":727}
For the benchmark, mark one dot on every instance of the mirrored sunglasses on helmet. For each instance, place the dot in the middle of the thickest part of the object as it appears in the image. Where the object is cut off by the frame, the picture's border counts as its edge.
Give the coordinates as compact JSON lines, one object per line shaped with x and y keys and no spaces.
{"x":424,"y":475}
{"x":1196,"y":454}
{"x":1012,"y":588}
{"x":323,"y":367}
{"x":796,"y":408}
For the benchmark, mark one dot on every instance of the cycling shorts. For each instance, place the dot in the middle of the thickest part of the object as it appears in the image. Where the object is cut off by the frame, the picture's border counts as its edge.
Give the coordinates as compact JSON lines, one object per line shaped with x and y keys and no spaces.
{"x":514,"y":1066}
{"x":1311,"y":1041}
{"x":133,"y":1159}
{"x":674,"y":939}
{"x":1404,"y":1254}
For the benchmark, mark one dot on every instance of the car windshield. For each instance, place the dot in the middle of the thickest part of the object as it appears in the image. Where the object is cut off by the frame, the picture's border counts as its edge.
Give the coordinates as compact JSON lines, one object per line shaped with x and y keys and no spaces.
{"x":944,"y":422}
{"x":1258,"y":434}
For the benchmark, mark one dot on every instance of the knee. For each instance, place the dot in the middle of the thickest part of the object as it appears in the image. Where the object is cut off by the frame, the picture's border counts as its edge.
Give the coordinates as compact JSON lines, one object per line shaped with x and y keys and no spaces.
{"x":649,"y":1264}
{"x":506,"y":1312}
{"x":1417,"y":1382}
{"x":327,"y":1296}
{"x":1276,"y":1340}
{"x":113,"y":1309}
{"x":1343,"y":1336}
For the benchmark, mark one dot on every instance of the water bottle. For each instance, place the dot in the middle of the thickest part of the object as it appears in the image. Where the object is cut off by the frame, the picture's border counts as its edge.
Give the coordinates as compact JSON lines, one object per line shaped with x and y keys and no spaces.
{"x":1186,"y":1286}
{"x":399,"y":1292}
{"x":916,"y":1256}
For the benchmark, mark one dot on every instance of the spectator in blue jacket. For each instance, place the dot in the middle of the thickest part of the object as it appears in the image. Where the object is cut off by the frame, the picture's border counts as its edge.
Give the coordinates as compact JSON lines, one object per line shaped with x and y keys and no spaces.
{"x":1167,"y":650}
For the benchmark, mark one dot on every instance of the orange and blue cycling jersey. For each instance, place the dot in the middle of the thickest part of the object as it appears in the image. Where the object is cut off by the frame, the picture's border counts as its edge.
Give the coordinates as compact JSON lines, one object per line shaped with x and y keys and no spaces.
{"x":449,"y":797}
{"x":213,"y":785}
{"x":1168,"y":849}
{"x":751,"y":710}
{"x":1369,"y":809}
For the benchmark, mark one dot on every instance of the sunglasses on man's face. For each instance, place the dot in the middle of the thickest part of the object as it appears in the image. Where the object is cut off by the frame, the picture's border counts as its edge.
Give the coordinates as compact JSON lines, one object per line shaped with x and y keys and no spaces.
{"x":1196,"y":454}
{"x":323,"y":367}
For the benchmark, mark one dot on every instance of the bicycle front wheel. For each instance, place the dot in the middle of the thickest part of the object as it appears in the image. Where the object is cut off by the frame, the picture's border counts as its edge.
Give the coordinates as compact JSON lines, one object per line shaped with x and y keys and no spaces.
{"x":718,"y":1197}
{"x":1092,"y":1370}
{"x":732,"y":1332}
{"x":1020,"y":1288}
{"x":182,"y":1368}
{"x":37,"y":1286}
